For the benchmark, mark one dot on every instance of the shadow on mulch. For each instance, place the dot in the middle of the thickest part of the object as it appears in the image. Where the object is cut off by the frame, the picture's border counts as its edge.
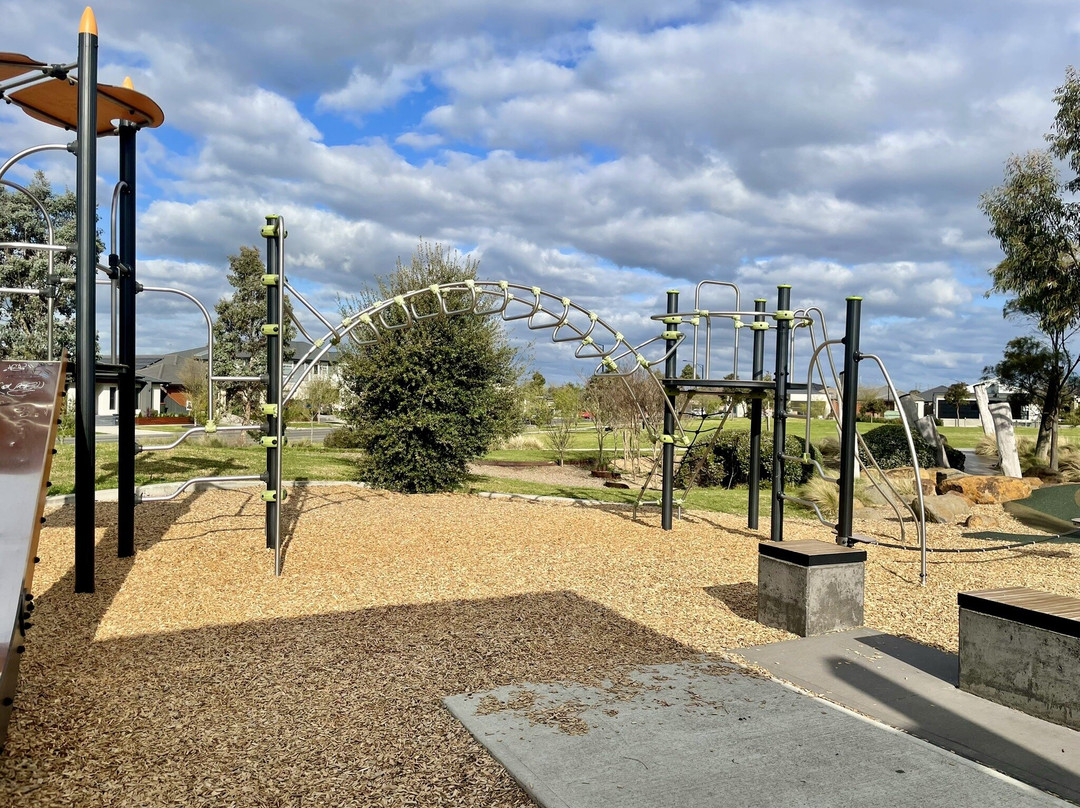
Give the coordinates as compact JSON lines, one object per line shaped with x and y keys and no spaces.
{"x":741,"y":598}
{"x":339,"y":709}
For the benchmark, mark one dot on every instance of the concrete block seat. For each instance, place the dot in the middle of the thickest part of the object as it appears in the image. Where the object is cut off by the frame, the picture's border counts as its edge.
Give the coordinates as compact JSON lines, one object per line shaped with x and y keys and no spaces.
{"x":810,"y":587}
{"x":1021,"y":647}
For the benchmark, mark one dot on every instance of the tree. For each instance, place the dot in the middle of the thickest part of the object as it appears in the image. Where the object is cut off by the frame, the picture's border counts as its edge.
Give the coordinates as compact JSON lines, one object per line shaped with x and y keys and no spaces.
{"x":600,"y":398}
{"x":534,"y":401}
{"x":875,"y":405}
{"x":192,"y":375}
{"x":566,"y":401}
{"x":321,"y":394}
{"x":688,"y":372}
{"x":956,"y":394}
{"x":1025,"y":367}
{"x":1039,"y":231}
{"x":22,"y":334}
{"x":239,"y":343}
{"x":435,"y":395}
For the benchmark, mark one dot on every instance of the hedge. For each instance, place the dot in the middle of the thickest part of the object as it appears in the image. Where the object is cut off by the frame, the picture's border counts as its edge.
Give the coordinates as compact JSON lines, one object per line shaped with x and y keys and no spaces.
{"x":729,"y":462}
{"x":888,"y":444}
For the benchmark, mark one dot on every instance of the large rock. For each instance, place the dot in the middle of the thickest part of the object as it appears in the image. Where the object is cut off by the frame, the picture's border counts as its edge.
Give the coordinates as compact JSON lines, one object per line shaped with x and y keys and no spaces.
{"x":980,"y":522}
{"x":944,"y":509}
{"x":943,"y":476}
{"x":986,"y":490}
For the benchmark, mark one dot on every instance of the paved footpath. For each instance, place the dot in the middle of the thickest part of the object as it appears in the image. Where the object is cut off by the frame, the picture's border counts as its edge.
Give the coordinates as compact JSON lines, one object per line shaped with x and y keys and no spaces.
{"x":707,"y":733}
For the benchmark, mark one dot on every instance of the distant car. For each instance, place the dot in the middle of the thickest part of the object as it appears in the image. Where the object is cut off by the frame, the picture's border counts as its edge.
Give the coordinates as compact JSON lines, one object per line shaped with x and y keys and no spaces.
{"x":585,"y":415}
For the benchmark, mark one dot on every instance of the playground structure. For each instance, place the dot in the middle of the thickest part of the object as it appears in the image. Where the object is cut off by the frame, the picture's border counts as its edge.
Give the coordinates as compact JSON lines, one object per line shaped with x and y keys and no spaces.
{"x":54,"y":90}
{"x":64,"y":95}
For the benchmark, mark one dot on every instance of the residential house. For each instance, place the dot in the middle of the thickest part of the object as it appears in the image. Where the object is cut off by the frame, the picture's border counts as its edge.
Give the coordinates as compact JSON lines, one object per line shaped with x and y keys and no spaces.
{"x":163,"y":392}
{"x":968,"y":414}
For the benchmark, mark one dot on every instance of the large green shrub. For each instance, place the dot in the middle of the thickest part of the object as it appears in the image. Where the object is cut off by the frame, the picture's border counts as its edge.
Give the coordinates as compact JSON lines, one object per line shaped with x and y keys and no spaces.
{"x":888,"y":444}
{"x":728,"y":463}
{"x":431,"y":397}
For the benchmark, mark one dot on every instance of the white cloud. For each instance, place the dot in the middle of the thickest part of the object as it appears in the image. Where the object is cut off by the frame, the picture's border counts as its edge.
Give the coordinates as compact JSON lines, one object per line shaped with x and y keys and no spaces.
{"x":606,"y":151}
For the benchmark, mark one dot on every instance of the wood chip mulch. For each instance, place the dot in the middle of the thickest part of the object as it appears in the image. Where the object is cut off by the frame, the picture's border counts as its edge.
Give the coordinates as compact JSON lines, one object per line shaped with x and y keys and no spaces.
{"x":194,"y":677}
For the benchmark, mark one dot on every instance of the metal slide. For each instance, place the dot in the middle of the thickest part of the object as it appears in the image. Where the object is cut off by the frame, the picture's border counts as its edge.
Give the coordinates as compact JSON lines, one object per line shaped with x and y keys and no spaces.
{"x":31,"y":395}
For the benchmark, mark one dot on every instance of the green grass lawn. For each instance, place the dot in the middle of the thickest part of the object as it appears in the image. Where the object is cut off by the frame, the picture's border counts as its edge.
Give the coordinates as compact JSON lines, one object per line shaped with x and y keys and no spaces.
{"x":305,"y":462}
{"x":316,"y":463}
{"x":723,"y":500}
{"x":189,"y":460}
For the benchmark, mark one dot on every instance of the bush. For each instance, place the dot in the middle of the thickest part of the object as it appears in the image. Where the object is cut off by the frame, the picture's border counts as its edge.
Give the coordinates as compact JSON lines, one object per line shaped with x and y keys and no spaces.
{"x":343,"y":438}
{"x":729,"y":462}
{"x":66,"y":429}
{"x":888,"y":444}
{"x":830,"y":449}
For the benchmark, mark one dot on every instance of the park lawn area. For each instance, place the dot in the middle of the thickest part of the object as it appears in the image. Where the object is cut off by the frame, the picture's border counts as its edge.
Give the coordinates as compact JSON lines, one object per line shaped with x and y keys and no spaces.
{"x":190,"y":460}
{"x":721,"y":500}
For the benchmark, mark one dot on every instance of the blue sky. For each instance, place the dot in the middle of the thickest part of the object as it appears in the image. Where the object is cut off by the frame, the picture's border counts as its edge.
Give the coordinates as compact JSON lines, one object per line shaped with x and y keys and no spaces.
{"x":603,"y":151}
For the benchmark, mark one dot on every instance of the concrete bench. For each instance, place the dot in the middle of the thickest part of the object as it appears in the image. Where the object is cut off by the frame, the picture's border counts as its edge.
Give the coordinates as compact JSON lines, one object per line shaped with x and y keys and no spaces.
{"x":1021,"y":647}
{"x":810,"y":587}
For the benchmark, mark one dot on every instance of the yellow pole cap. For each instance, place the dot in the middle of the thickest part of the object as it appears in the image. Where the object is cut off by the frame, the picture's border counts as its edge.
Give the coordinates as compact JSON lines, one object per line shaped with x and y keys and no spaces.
{"x":88,"y":23}
{"x":128,"y":83}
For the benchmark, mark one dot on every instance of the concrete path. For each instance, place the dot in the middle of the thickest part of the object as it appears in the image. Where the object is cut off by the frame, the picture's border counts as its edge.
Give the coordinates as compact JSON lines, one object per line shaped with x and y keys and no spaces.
{"x":913,"y":687}
{"x":705,"y":733}
{"x":976,"y":464}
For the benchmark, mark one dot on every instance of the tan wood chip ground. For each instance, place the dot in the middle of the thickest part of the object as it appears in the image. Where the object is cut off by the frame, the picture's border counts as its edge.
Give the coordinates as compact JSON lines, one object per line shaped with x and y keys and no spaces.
{"x":194,"y":677}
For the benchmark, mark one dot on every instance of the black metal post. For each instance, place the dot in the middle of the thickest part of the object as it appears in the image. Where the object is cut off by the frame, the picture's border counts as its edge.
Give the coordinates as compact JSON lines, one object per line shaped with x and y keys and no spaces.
{"x":125,"y":471}
{"x":757,"y":374}
{"x":848,"y":413}
{"x":85,"y":303}
{"x":671,"y":371}
{"x":273,"y":282}
{"x":783,"y":347}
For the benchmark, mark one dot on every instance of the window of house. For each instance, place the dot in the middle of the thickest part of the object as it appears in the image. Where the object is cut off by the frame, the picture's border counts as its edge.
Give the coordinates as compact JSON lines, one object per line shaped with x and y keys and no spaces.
{"x":112,"y":398}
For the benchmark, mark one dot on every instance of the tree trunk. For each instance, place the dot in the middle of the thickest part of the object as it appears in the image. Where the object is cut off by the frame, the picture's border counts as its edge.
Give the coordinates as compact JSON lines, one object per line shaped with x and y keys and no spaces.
{"x":1051,"y":404}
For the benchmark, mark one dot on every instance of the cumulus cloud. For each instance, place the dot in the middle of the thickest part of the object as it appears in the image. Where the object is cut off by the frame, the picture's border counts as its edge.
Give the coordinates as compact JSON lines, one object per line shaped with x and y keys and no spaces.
{"x":604,"y":151}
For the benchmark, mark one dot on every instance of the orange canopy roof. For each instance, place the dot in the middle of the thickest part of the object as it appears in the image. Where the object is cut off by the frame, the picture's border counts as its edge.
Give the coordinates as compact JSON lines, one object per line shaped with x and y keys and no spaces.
{"x":15,"y":64}
{"x":56,"y":101}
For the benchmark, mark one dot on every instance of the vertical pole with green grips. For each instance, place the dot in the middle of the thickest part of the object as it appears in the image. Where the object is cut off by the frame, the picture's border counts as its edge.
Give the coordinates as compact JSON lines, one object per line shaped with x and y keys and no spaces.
{"x":849,"y":411}
{"x":784,"y":317}
{"x":671,"y":370}
{"x":274,"y":281}
{"x":758,"y":373}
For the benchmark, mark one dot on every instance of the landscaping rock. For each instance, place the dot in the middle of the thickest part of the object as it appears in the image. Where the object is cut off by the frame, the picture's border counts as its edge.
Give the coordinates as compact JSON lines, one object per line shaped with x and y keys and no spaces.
{"x":942,"y":476}
{"x":945,"y":509}
{"x":1034,"y":482}
{"x":987,"y":490}
{"x":979,"y":522}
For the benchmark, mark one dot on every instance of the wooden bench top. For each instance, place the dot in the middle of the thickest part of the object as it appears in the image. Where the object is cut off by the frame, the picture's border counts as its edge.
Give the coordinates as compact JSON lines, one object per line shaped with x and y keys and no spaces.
{"x":811,"y":552}
{"x":1021,"y":604}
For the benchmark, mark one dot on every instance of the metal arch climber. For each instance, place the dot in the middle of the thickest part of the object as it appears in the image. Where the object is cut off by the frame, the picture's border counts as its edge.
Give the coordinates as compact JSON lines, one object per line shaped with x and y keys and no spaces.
{"x":540,"y":310}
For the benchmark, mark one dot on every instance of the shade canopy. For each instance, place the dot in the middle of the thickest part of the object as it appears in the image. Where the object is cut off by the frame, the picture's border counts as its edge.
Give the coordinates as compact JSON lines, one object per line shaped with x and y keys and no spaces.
{"x":15,"y":64}
{"x":56,"y":100}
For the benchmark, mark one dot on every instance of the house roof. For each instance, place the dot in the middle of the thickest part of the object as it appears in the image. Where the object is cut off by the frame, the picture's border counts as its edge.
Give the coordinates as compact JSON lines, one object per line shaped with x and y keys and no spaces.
{"x":166,"y":369}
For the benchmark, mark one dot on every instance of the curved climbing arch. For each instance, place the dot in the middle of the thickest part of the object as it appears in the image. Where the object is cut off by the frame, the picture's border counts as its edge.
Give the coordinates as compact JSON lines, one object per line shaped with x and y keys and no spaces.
{"x":564,"y":320}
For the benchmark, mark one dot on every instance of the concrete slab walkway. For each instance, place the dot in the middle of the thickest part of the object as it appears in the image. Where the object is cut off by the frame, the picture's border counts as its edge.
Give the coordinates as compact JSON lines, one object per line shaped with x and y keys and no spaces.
{"x":913,"y":687}
{"x":705,"y":733}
